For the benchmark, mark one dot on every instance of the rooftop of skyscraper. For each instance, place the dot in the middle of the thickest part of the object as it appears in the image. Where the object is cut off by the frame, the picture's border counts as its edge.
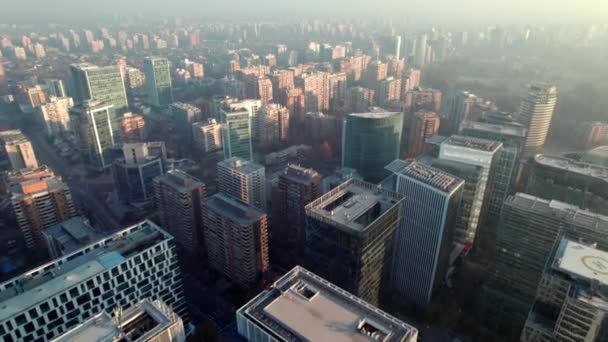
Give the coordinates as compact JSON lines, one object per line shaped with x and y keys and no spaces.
{"x":473,"y":143}
{"x":179,"y":180}
{"x":585,"y":268}
{"x":573,"y":166}
{"x":47,"y":280}
{"x":142,"y":322}
{"x":375,"y":113}
{"x":13,"y":136}
{"x":300,"y":174}
{"x":240,"y":165}
{"x":72,"y":234}
{"x":353,"y":206}
{"x":302,"y":306}
{"x":184,"y":106}
{"x":37,"y":186}
{"x":233,"y":209}
{"x":507,"y":129}
{"x":568,"y":212}
{"x":434,"y":177}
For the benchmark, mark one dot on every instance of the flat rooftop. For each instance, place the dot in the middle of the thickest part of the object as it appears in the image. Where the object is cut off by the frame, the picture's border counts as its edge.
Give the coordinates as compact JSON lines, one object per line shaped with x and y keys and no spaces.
{"x":376,"y":113}
{"x":570,"y":165}
{"x":302,"y":306}
{"x":12,"y":136}
{"x":570,"y":213}
{"x":184,"y":106}
{"x":73,"y":234}
{"x":139,"y":322}
{"x":300,"y":174}
{"x":180,"y":180}
{"x":434,"y":177}
{"x":39,"y":284}
{"x":353,"y":206}
{"x":473,"y":143}
{"x":240,"y":165}
{"x":581,"y":261}
{"x":233,"y":209}
{"x":510,"y":130}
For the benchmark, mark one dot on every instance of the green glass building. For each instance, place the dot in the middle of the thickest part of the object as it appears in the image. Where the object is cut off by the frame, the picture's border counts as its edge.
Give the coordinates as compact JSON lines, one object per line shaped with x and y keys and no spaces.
{"x":158,"y":81}
{"x":236,"y":134}
{"x":91,"y":82}
{"x":93,"y":120}
{"x":370,"y":141}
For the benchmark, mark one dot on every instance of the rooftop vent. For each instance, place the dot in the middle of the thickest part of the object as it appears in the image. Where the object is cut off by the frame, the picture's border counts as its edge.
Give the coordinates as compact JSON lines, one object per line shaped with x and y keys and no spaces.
{"x":304,"y":290}
{"x":368,"y":329}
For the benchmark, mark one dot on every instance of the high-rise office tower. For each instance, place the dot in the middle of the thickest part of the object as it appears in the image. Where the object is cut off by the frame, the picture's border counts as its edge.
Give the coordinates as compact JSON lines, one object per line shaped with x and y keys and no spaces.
{"x":371,"y":141}
{"x":136,"y":263}
{"x":146,"y":321}
{"x":271,"y":125}
{"x":423,"y":240}
{"x":528,"y":229}
{"x":55,"y":87}
{"x":423,"y":125}
{"x":55,"y":115}
{"x":460,"y":107}
{"x":301,"y":306}
{"x":39,"y":204}
{"x":316,"y":90}
{"x":184,"y":115}
{"x":578,"y":183}
{"x":207,"y":136}
{"x":93,"y":121}
{"x":297,"y":186}
{"x":133,"y":128}
{"x":536,"y":112}
{"x":473,"y":180}
{"x":337,"y":90}
{"x":16,"y":151}
{"x":106,"y":84}
{"x":179,"y":199}
{"x":134,"y":173}
{"x":342,"y":226}
{"x":478,"y":152}
{"x":158,"y":81}
{"x":512,"y":135}
{"x":570,"y":303}
{"x":243,"y":180}
{"x":359,"y":99}
{"x":389,"y":91}
{"x":236,"y":134}
{"x":236,"y":239}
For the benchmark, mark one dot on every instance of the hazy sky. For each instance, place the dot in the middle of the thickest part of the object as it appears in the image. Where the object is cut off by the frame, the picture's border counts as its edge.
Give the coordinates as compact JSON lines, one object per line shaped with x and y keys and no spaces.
{"x":452,"y":11}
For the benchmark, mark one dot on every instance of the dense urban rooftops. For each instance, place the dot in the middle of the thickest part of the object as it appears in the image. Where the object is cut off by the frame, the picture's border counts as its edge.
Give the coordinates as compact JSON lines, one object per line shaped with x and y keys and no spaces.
{"x":302,"y":306}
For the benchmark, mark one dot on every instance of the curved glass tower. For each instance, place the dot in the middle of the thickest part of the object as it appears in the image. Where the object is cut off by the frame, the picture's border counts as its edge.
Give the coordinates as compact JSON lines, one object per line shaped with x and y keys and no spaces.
{"x":370,"y":141}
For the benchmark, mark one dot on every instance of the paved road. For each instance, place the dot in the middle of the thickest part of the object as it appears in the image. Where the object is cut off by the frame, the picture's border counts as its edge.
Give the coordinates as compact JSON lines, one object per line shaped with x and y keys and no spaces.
{"x":73,"y":175}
